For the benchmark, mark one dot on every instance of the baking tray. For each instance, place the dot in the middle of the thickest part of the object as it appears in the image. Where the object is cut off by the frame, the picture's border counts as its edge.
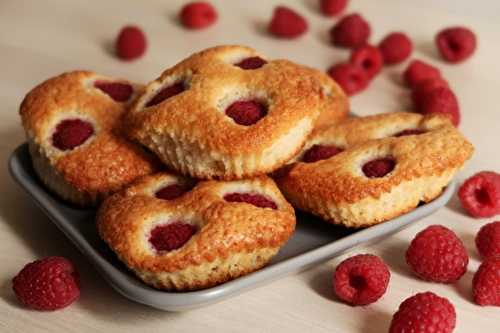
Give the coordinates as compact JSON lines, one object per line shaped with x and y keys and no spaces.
{"x":313,"y":242}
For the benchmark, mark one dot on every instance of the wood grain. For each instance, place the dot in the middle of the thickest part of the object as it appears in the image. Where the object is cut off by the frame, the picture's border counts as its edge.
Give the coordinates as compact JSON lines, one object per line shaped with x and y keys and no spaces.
{"x":39,"y":39}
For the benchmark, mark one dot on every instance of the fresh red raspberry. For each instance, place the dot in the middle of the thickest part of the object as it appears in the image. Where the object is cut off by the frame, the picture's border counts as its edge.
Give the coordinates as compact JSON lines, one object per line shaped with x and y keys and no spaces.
{"x":480,"y":194}
{"x":418,"y":71}
{"x":171,"y":236}
{"x":486,"y":283}
{"x":369,"y":59}
{"x":424,"y":312}
{"x":198,"y":15}
{"x":251,"y":198}
{"x":456,"y":44}
{"x":488,"y":240}
{"x":131,"y":43}
{"x":422,"y":89}
{"x":332,"y":7}
{"x":395,"y":48}
{"x":287,"y":23}
{"x":47,"y":284}
{"x":320,"y":152}
{"x":350,"y":77}
{"x":441,"y":101}
{"x":251,"y":63}
{"x":71,"y":133}
{"x":119,"y":91}
{"x":437,"y":254}
{"x":246,"y":113}
{"x":379,"y":167}
{"x":351,"y":31}
{"x":361,"y":279}
{"x":166,"y":93}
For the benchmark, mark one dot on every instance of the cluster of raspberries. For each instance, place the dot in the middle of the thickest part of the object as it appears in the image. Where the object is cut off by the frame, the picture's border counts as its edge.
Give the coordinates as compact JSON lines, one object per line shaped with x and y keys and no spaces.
{"x":436,"y":254}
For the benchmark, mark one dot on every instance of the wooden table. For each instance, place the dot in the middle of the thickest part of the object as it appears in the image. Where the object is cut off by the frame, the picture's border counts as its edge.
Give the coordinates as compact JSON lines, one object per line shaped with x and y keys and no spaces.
{"x":39,"y":39}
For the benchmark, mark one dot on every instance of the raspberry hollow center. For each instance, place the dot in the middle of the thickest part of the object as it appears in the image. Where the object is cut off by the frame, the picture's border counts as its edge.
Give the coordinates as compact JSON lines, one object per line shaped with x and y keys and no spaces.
{"x":251,"y":63}
{"x":257,"y":200}
{"x":246,"y":113}
{"x":172,"y":191}
{"x":379,"y":167}
{"x":166,"y":93}
{"x":320,"y":152}
{"x":409,"y":132}
{"x":118,"y":91}
{"x":71,"y":133}
{"x":171,"y":236}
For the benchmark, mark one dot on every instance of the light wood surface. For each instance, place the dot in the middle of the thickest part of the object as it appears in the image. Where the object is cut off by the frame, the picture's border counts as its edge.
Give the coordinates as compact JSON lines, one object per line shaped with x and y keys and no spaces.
{"x":39,"y":39}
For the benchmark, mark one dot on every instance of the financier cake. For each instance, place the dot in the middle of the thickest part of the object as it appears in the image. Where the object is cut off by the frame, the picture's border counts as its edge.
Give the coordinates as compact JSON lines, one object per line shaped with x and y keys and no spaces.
{"x":229,"y":113}
{"x":364,"y":171}
{"x":73,"y":126}
{"x":176,"y":234}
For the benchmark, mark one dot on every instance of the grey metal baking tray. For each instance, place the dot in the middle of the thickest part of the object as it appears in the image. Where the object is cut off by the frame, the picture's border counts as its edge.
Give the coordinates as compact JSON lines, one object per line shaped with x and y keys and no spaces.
{"x":313,"y":242}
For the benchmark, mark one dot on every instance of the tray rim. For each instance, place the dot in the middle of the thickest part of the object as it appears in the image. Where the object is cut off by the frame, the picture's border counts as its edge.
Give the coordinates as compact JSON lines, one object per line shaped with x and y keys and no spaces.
{"x":180,"y":301}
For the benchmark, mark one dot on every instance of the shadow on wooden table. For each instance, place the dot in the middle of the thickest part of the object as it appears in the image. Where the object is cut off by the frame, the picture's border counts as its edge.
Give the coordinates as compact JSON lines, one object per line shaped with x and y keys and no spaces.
{"x":26,"y":222}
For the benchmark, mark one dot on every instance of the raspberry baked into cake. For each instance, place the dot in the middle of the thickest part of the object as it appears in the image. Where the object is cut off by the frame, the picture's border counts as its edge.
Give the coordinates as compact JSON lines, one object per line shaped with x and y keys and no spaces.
{"x":364,"y":171}
{"x":176,"y":234}
{"x":228,"y":112}
{"x":73,"y":124}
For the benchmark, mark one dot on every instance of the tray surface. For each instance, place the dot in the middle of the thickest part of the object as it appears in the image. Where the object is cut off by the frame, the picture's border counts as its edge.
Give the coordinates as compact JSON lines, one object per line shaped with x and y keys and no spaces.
{"x":313,"y":242}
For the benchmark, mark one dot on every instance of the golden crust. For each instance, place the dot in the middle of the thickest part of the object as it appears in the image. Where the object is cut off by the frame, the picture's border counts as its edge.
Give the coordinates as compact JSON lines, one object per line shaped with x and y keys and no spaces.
{"x":336,"y":188}
{"x":106,"y":161}
{"x":232,"y":238}
{"x":195,"y":120}
{"x":336,"y":104}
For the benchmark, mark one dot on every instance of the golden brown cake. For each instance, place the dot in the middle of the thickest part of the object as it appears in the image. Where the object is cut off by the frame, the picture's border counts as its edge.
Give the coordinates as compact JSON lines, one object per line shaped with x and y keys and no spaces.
{"x":72,"y":124}
{"x":176,"y":234}
{"x":228,"y":113}
{"x":367,"y":170}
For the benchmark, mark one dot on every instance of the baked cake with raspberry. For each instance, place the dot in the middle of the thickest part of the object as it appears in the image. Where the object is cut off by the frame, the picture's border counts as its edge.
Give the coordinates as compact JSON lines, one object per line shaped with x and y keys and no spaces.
{"x":73,"y":126}
{"x":364,"y":171}
{"x":179,"y":234}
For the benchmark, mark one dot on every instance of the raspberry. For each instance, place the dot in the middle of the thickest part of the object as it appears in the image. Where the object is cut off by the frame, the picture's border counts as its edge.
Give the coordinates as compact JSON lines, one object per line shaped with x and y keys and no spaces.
{"x":47,"y":284}
{"x":198,"y":15}
{"x":286,"y":23}
{"x":246,"y":113}
{"x":350,"y":77}
{"x":131,"y":43}
{"x":361,"y":279}
{"x":251,"y":198}
{"x":480,"y":194}
{"x":320,"y":152}
{"x":379,"y":167}
{"x":486,"y":283}
{"x":441,"y":101}
{"x":251,"y":63}
{"x":71,"y":133}
{"x":409,"y":132}
{"x":488,"y":240}
{"x":369,"y":59}
{"x":351,"y":31}
{"x":395,"y":48}
{"x":171,"y":236}
{"x":456,"y":44}
{"x":437,"y":254}
{"x":172,"y":191}
{"x":118,"y":91}
{"x":332,"y":7}
{"x":418,"y":71}
{"x":424,"y":312}
{"x":165,"y":93}
{"x":424,"y":87}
